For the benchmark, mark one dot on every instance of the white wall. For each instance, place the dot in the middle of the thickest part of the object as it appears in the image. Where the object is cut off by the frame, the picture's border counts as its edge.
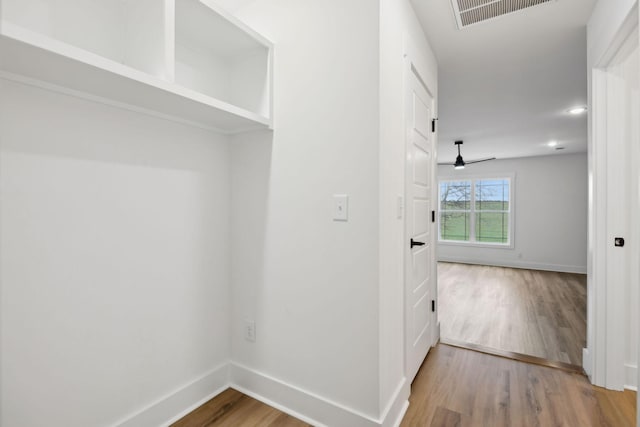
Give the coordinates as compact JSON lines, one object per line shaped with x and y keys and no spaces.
{"x":114,"y":235}
{"x":311,"y":283}
{"x":397,"y":21}
{"x":550,"y":214}
{"x":154,"y":242}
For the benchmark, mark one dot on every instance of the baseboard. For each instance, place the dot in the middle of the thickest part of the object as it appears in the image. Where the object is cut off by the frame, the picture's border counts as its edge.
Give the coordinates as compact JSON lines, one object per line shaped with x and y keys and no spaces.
{"x":310,"y":408}
{"x":181,"y":402}
{"x":631,"y":377}
{"x":586,"y":362}
{"x":579,"y":269}
{"x":317,"y":410}
{"x":397,"y":406}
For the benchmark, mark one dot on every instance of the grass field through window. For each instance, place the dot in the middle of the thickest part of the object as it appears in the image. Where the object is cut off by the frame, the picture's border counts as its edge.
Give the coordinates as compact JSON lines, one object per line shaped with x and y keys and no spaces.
{"x":490,"y":213}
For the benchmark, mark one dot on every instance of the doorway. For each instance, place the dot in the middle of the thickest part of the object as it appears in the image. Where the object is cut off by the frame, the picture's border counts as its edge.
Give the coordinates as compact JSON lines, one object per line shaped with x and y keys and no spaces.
{"x":611,"y":354}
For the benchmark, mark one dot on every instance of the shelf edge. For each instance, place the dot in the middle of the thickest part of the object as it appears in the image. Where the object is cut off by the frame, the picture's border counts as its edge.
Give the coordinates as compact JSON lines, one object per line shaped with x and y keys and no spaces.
{"x":19,"y":34}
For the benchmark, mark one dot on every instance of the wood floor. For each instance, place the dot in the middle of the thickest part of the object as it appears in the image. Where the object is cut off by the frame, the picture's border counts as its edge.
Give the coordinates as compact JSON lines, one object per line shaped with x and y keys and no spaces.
{"x":537,"y":313}
{"x":234,"y":409}
{"x":457,"y":387}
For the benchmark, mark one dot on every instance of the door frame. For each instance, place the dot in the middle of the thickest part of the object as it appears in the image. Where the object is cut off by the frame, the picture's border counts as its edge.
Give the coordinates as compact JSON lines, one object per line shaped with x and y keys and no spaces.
{"x":604,"y":357}
{"x":415,"y":62}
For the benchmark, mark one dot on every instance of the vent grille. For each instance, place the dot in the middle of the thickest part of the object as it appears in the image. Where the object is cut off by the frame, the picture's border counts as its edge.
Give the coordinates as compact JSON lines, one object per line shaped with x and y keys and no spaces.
{"x":470,"y":12}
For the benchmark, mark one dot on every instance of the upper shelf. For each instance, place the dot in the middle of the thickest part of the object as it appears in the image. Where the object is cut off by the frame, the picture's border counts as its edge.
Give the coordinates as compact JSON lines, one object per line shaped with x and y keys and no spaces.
{"x":172,"y":63}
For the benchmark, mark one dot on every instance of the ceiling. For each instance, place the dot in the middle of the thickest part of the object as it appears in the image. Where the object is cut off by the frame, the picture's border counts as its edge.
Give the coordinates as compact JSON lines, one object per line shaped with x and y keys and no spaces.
{"x":505,"y":85}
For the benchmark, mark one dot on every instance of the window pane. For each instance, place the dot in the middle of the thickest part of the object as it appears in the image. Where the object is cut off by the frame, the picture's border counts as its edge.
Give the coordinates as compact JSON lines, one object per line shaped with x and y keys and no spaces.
{"x":492,"y":195}
{"x":455,"y":195}
{"x":455,"y":226}
{"x":492,"y":227}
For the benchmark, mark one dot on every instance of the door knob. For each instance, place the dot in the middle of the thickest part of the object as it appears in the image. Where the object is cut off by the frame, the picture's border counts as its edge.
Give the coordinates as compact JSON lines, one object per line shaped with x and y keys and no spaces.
{"x":414,"y":243}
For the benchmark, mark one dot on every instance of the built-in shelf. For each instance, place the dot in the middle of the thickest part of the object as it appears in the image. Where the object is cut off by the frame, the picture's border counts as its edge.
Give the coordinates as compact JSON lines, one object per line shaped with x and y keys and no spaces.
{"x":181,"y":58}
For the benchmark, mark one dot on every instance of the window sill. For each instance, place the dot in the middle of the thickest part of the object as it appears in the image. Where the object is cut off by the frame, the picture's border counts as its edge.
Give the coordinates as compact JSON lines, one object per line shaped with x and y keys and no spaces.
{"x":476,"y":244}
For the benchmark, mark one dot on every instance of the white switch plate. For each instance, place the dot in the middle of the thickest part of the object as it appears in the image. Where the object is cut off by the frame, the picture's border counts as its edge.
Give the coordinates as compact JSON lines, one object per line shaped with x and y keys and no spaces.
{"x":340,"y":207}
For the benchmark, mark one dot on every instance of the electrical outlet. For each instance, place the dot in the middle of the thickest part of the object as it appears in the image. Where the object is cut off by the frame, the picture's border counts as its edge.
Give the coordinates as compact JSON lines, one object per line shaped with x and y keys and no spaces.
{"x":250,"y":330}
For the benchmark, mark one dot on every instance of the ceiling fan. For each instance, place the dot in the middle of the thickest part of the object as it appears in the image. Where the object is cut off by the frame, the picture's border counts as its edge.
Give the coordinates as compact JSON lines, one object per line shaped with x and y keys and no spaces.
{"x":460,"y":163}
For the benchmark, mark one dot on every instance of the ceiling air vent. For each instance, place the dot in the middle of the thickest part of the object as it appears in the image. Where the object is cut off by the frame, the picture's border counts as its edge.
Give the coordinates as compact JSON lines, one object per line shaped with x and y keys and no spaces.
{"x":469,"y":12}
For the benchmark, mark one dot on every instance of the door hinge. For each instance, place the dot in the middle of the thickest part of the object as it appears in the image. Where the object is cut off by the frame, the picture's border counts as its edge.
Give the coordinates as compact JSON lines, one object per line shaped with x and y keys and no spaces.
{"x":433,"y":305}
{"x":433,"y":125}
{"x":433,"y":216}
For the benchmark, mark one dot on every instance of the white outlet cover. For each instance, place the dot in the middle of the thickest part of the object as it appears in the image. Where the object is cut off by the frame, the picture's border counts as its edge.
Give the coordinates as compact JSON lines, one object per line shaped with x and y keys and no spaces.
{"x":250,"y":330}
{"x":340,"y":207}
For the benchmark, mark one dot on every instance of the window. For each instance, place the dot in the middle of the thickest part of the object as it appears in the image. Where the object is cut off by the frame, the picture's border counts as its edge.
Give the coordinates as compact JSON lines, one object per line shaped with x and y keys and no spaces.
{"x":476,"y":211}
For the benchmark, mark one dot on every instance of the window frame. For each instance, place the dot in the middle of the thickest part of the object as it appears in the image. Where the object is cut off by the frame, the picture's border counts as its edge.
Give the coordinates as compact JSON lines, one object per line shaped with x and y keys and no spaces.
{"x":473,"y":212}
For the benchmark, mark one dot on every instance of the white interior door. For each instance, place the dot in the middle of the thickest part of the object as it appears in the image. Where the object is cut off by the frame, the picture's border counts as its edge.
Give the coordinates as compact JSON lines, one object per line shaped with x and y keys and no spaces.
{"x":420,"y":265}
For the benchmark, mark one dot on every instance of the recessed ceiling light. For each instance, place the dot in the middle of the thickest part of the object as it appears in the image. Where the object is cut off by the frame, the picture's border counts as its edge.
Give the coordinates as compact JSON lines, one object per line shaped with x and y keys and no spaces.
{"x":577,"y":110}
{"x":552,"y":144}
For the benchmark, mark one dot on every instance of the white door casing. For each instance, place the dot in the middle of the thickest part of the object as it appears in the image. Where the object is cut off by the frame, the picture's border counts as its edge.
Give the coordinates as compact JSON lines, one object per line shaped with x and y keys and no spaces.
{"x":613,"y":156}
{"x":420,"y":264}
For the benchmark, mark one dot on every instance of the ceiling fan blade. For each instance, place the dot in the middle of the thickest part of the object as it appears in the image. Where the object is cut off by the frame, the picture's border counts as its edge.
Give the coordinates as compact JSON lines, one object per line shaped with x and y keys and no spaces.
{"x":446,"y":164}
{"x":481,"y":160}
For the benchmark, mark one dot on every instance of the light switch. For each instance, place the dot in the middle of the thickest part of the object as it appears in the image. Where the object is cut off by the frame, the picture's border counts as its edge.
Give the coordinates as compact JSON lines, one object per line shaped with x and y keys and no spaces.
{"x":340,"y":207}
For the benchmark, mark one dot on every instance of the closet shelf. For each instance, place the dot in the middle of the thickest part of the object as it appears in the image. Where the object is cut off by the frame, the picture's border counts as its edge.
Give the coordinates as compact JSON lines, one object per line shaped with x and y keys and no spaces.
{"x":38,"y":59}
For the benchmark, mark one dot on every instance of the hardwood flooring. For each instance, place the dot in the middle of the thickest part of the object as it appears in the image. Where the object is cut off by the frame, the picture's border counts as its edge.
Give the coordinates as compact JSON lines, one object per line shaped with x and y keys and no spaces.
{"x":234,"y":409}
{"x":458,"y":387}
{"x":537,"y":313}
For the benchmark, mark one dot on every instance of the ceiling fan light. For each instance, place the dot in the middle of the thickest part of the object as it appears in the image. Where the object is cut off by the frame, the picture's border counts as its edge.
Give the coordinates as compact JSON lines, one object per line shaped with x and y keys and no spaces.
{"x":459,"y":164}
{"x":458,"y":167}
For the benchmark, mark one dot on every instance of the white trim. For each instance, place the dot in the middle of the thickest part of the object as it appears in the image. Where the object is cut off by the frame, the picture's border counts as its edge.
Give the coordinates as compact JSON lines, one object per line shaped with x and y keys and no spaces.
{"x":466,"y":244}
{"x":310,"y":407}
{"x":631,"y":377}
{"x":317,"y":410}
{"x":586,"y":361}
{"x":517,"y":264}
{"x":605,"y":321}
{"x":397,"y":405}
{"x":181,"y":401}
{"x":597,"y":259}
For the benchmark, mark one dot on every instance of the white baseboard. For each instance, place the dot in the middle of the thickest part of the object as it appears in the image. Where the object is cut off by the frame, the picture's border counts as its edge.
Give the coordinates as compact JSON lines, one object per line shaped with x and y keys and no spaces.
{"x":518,"y":264}
{"x":182,"y":401}
{"x":631,"y":377}
{"x":586,"y":362}
{"x":397,"y":406}
{"x":309,"y":407}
